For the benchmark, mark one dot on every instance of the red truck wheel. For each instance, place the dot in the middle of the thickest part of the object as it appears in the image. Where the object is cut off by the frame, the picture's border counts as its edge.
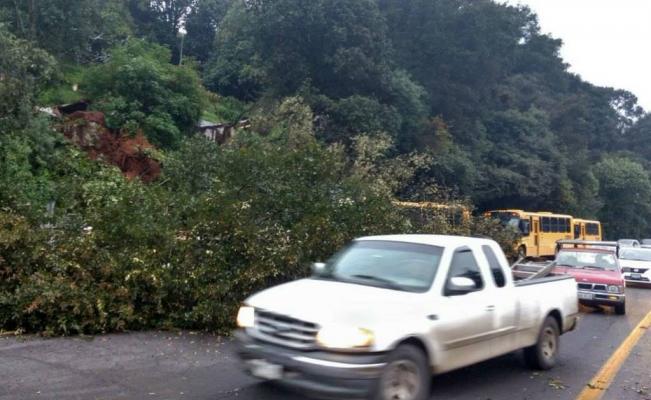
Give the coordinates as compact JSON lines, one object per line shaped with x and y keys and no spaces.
{"x":620,"y":309}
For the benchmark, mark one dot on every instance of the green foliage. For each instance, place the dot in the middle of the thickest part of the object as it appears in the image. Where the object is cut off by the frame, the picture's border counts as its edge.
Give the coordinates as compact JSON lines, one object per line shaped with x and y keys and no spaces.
{"x":202,"y":24}
{"x":271,"y":210}
{"x":74,"y":31}
{"x":522,"y":161}
{"x":64,"y":88}
{"x":346,"y":118}
{"x":625,"y":186}
{"x":345,"y":52}
{"x":390,"y":174}
{"x":224,"y":221}
{"x":352,"y":104}
{"x":137,"y":88}
{"x":225,"y":109}
{"x":24,"y":72}
{"x":336,"y":50}
{"x":160,"y":21}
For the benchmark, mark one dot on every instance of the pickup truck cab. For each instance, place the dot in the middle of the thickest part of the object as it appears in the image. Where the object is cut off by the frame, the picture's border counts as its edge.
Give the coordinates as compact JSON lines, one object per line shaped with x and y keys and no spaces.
{"x":387,"y":312}
{"x":598,"y":275}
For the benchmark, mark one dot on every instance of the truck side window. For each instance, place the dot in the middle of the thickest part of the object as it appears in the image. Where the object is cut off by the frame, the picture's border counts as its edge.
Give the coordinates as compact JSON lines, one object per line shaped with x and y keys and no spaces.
{"x":496,"y":268}
{"x":464,"y":265}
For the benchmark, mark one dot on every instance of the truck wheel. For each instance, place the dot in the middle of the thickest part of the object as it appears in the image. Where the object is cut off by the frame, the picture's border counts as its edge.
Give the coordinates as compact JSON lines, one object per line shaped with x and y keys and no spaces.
{"x":406,"y":376}
{"x":542,"y":355}
{"x":620,"y":309}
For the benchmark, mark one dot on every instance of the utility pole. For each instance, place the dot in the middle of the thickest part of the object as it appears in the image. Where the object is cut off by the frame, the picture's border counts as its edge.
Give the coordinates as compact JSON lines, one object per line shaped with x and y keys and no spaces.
{"x":182,"y":33}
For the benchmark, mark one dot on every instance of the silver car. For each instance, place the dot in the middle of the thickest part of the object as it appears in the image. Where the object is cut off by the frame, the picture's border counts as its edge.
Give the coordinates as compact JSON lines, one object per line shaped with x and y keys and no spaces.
{"x":628,"y":243}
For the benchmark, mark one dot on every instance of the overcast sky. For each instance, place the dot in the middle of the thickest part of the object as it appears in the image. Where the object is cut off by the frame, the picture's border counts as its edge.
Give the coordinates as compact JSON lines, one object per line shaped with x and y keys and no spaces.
{"x":607,"y":42}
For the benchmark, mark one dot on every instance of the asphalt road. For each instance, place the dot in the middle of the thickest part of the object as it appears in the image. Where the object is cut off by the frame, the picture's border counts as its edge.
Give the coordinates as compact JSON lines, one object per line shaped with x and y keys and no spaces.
{"x":183,"y":365}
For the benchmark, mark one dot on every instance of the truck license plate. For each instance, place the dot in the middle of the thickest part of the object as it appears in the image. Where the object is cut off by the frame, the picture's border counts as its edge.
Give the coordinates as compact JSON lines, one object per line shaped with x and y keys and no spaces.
{"x":585,"y":296}
{"x":265,"y":370}
{"x":636,"y":276}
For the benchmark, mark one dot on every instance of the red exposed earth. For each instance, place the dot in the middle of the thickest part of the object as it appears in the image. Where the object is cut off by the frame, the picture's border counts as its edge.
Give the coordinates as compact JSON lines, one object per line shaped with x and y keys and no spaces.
{"x":130,"y":153}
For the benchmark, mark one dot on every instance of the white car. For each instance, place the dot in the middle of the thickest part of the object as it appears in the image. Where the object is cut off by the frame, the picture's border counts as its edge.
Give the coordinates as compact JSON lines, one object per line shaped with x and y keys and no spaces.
{"x":636,"y":265}
{"x":628,"y":243}
{"x":387,"y":312}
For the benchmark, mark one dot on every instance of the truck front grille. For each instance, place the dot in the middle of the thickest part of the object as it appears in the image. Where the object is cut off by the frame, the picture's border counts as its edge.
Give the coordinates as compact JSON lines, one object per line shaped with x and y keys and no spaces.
{"x":634,"y":270}
{"x":592,"y":286}
{"x":284,"y":330}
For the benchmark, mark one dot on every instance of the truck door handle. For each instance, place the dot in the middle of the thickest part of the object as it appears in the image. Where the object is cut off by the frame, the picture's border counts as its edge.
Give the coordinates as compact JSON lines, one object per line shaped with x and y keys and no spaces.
{"x":490,"y":308}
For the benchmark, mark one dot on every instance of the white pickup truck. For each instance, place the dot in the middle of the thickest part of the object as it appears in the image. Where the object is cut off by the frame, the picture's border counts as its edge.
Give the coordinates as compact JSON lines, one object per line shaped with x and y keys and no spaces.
{"x":387,"y":312}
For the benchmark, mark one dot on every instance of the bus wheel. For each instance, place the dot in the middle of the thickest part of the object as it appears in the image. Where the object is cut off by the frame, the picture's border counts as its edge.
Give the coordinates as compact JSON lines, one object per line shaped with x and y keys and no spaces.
{"x":522,"y":252}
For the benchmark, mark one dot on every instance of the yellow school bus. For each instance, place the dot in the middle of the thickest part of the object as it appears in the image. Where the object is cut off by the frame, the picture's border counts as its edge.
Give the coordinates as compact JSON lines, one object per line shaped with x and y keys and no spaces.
{"x":539,"y":230}
{"x":455,"y":214}
{"x":585,"y":229}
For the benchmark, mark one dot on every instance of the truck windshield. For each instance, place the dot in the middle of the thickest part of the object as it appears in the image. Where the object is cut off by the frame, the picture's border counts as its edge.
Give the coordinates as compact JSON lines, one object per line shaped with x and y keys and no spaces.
{"x":393,"y":265}
{"x":583,"y":259}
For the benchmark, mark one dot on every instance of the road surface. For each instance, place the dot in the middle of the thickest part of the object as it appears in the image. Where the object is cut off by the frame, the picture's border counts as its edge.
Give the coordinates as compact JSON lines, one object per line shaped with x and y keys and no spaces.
{"x":184,"y":365}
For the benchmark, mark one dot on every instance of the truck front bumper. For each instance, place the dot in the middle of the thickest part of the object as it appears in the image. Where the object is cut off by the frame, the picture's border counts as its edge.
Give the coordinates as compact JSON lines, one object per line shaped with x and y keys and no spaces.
{"x":594,"y":298}
{"x":315,"y":373}
{"x":637,"y":279}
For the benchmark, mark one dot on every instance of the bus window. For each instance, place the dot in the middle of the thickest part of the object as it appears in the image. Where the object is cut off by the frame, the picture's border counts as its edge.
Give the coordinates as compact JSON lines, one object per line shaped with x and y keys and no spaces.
{"x":525,"y":227}
{"x":577,"y":231}
{"x":592,"y":229}
{"x":554,"y":225}
{"x":545,"y":223}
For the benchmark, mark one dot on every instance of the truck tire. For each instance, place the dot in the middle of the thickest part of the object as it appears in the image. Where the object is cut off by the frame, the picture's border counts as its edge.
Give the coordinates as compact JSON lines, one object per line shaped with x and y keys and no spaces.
{"x":406,"y":376}
{"x":620,"y":309}
{"x":542,"y":355}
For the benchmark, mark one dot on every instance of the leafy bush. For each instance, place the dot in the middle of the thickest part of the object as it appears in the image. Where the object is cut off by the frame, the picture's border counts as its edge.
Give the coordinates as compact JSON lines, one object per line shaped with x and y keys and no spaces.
{"x":137,"y":88}
{"x":117,"y":254}
{"x":222,"y":222}
{"x":24,"y":71}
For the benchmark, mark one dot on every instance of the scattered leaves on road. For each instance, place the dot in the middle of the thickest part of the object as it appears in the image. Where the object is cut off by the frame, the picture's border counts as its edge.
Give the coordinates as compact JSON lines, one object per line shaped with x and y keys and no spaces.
{"x":556,"y":384}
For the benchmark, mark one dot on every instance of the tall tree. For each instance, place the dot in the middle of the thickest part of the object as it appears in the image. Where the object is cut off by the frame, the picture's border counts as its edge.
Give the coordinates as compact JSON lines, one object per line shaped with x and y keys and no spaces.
{"x":161,"y":20}
{"x":202,"y":25}
{"x":79,"y":31}
{"x":330,"y":51}
{"x":24,"y":72}
{"x":625,"y":186}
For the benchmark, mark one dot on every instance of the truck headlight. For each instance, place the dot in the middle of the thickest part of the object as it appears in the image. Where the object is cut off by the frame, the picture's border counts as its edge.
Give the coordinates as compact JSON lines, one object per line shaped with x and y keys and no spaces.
{"x":615,"y":289}
{"x":341,"y":337}
{"x":246,"y":317}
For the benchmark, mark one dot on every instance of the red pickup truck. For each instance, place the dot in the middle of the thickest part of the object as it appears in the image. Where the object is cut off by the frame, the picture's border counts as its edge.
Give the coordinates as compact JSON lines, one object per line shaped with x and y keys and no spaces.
{"x":597,"y":273}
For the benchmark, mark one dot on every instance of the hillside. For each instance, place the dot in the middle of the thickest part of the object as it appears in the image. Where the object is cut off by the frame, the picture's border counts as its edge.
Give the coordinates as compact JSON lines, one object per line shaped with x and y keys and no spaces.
{"x":349,"y":105}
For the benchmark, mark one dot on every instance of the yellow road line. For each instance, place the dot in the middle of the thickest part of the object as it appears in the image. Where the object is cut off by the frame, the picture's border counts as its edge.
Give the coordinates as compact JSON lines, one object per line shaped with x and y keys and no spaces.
{"x":600,"y":382}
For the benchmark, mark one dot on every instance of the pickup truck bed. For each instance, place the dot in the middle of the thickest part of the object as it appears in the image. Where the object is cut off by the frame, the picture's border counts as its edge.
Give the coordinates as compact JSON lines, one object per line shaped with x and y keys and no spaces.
{"x":535,"y":281}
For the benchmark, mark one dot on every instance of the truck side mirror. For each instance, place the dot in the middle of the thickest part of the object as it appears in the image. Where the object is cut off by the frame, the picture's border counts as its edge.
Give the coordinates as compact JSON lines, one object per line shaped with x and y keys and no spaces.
{"x":459,"y":285}
{"x":318,"y":268}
